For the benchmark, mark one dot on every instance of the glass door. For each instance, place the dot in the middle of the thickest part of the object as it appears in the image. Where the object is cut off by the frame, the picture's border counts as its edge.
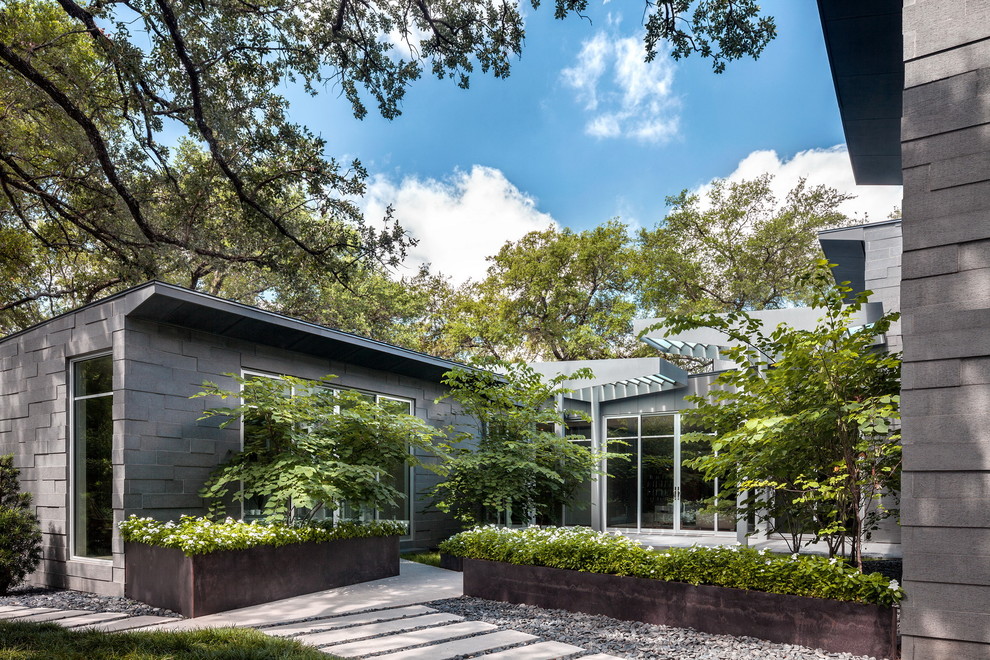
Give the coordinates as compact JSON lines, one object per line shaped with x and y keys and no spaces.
{"x":653,"y":489}
{"x":622,"y":485}
{"x":659,"y":471}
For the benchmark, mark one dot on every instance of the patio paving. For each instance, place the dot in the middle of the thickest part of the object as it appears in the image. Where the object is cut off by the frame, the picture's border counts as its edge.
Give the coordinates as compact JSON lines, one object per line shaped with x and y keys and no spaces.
{"x":382,"y":618}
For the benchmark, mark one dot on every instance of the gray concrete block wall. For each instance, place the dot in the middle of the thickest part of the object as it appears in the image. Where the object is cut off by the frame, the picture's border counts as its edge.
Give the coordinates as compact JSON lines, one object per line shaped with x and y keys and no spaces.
{"x":34,"y":390}
{"x":883,"y":245}
{"x":169,"y":454}
{"x":946,"y":330}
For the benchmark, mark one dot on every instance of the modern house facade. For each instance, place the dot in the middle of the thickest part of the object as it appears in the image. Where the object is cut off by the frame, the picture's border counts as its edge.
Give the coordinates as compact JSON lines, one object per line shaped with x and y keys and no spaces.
{"x":911,"y":82}
{"x":639,"y":402}
{"x":95,"y":406}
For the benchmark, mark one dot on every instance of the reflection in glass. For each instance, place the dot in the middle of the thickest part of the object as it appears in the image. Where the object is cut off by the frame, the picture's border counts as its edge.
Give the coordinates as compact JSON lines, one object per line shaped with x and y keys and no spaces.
{"x":694,"y":489}
{"x":92,"y":444}
{"x":658,"y":482}
{"x":658,"y":425}
{"x":581,"y":514}
{"x":622,"y":483}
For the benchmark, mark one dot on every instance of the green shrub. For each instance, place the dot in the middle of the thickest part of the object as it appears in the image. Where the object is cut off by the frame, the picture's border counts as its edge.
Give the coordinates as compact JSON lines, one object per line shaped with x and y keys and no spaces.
{"x":581,"y":549}
{"x":198,"y":536}
{"x":20,"y":536}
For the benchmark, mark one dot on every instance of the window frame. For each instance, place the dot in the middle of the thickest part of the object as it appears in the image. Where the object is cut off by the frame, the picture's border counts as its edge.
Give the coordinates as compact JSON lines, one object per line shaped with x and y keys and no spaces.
{"x":71,"y":481}
{"x":378,"y":396}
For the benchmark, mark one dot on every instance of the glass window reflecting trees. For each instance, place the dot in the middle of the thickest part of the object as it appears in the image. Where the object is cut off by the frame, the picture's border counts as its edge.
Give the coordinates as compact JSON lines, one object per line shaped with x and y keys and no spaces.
{"x":400,"y":473}
{"x":92,"y":442}
{"x":654,"y":489}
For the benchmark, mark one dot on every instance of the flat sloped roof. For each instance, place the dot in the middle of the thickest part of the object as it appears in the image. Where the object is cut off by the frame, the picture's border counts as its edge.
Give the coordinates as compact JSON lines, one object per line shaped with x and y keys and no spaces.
{"x":175,"y":305}
{"x":866,"y":54}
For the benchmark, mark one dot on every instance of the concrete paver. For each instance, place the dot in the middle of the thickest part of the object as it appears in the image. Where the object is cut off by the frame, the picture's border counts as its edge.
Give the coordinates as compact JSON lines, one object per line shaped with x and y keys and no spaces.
{"x":52,"y":616}
{"x":91,"y":617}
{"x":129,"y":623}
{"x":372,"y":629}
{"x":405,"y":640}
{"x":287,"y":629}
{"x":415,"y":584}
{"x":11,"y":608}
{"x":538,"y":651}
{"x":27,"y":611}
{"x":461,"y":646}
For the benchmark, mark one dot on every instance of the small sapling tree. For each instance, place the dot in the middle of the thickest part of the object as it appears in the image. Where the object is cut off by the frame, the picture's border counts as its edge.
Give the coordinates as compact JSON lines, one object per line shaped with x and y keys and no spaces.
{"x":20,"y":535}
{"x":519,"y":465}
{"x":810,"y":416}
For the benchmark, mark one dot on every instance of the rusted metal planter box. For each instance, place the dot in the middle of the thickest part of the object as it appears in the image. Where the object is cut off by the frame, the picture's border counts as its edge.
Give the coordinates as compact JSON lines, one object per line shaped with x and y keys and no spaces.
{"x":220,"y":581}
{"x":832,"y":625}
{"x":451,"y":562}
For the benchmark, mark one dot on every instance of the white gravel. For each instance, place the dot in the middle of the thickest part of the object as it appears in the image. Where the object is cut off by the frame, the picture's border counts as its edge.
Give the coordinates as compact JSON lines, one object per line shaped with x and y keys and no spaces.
{"x":628,"y":639}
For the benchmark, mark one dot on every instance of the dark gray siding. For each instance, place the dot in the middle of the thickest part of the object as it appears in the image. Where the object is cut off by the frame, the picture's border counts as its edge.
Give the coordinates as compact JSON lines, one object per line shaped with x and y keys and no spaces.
{"x":161,"y":452}
{"x":170,"y":453}
{"x":33,"y":426}
{"x":946,"y":305}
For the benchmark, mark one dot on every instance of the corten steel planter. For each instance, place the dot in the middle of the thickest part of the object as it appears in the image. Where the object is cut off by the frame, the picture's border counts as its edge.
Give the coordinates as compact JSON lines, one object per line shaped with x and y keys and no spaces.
{"x":227,"y":580}
{"x":832,"y":625}
{"x":451,"y":562}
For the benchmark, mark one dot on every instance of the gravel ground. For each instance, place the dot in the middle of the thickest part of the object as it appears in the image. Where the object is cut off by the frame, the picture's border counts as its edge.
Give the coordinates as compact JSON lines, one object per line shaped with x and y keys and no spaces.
{"x":627,"y":639}
{"x":76,"y":600}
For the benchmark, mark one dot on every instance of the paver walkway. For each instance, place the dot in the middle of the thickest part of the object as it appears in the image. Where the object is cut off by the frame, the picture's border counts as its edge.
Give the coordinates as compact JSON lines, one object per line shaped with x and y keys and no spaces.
{"x":381,"y":620}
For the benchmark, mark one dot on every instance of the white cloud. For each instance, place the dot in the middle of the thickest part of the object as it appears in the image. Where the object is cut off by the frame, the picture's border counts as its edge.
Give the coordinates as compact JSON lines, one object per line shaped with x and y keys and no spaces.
{"x":458,"y":221}
{"x":828,"y":167}
{"x":636,"y":101}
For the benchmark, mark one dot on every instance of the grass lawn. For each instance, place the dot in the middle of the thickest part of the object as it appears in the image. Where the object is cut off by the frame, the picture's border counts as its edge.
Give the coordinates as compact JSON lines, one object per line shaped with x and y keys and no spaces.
{"x":47,"y":641}
{"x":431,"y":558}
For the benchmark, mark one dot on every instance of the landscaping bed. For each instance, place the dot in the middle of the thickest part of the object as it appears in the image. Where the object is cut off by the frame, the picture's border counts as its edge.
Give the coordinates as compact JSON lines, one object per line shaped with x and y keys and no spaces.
{"x":811,"y":601}
{"x":198,"y":568}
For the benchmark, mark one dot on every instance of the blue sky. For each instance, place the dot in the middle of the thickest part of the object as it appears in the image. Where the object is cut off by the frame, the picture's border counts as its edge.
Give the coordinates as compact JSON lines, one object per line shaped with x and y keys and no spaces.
{"x":583,"y":131}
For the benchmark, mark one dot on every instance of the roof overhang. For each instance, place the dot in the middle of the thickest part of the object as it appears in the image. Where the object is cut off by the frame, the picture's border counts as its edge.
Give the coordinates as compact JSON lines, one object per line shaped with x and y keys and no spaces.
{"x":866,"y":54}
{"x":165,"y":303}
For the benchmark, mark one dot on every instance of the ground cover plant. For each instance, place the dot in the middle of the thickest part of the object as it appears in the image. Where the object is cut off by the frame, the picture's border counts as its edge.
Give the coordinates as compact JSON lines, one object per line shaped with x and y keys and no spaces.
{"x":428,"y":558}
{"x":20,"y":535}
{"x":582,"y":549}
{"x":196,"y":536}
{"x":42,"y":641}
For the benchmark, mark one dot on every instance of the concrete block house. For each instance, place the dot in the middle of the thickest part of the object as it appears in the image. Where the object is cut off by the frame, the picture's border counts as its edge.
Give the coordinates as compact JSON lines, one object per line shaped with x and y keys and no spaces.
{"x":912,"y":81}
{"x":640,"y":402}
{"x":95,"y":406}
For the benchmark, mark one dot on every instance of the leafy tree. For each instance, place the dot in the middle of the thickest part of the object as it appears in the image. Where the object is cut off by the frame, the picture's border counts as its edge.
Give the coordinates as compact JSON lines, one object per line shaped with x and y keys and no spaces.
{"x":735,"y":249}
{"x":554,"y":294}
{"x":520,"y":466}
{"x":808,"y":415}
{"x":95,"y":196}
{"x":308,"y":448}
{"x":20,"y":535}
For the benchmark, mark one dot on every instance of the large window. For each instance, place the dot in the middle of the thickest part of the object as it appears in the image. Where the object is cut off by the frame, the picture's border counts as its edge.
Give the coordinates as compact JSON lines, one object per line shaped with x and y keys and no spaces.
{"x":400,"y":473}
{"x":92,"y":442}
{"x":653,"y":488}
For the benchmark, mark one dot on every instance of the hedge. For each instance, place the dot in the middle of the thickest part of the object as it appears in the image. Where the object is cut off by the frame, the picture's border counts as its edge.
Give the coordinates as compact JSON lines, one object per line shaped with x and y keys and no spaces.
{"x":582,"y":549}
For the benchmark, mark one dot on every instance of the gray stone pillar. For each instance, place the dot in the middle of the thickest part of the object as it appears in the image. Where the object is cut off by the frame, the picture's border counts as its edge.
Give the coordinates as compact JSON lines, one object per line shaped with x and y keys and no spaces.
{"x":945,"y":299}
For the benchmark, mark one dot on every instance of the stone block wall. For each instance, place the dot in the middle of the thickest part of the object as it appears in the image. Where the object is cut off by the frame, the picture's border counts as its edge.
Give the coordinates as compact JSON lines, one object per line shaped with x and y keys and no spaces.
{"x":946,"y":325}
{"x":168,"y":454}
{"x":161,"y":452}
{"x":34,"y":414}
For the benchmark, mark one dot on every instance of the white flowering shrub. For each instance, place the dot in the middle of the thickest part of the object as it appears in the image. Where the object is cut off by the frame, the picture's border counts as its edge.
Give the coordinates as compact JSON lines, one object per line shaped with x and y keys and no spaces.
{"x":197,"y":536}
{"x":582,"y":549}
